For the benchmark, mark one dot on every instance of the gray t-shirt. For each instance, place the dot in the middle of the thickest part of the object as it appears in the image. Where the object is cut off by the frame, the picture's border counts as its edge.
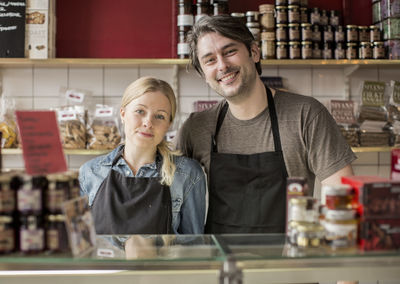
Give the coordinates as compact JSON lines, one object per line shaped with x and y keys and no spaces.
{"x":311,"y":141}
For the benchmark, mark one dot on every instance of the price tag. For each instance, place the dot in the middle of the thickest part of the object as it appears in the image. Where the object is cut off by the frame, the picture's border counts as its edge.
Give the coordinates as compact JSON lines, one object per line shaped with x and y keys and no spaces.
{"x":41,"y":143}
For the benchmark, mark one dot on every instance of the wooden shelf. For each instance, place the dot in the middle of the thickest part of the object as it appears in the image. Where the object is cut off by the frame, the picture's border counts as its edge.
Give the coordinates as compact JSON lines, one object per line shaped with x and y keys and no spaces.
{"x":102,"y":152}
{"x":55,"y":62}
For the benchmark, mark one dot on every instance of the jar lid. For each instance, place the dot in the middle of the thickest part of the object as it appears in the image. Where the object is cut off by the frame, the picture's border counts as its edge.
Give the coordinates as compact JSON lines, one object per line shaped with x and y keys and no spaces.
{"x":351,"y":44}
{"x":351,"y":26}
{"x":6,"y":219}
{"x":362,"y":27}
{"x":306,"y":42}
{"x":303,"y":8}
{"x":281,"y":43}
{"x":306,"y":25}
{"x":294,"y":43}
{"x":281,"y":25}
{"x":378,"y":42}
{"x":293,"y":7}
{"x":252,"y":13}
{"x":252,"y":25}
{"x":365,"y":43}
{"x":239,"y":15}
{"x":373,"y":27}
{"x":338,"y":189}
{"x":294,"y":25}
{"x":281,"y":7}
{"x":339,"y":214}
{"x":56,"y":218}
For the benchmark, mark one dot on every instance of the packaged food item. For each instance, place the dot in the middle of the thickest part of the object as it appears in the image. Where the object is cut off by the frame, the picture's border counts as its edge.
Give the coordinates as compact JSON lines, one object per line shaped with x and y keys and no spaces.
{"x":7,"y":234}
{"x":339,"y":197}
{"x":56,"y":234}
{"x":8,"y":127}
{"x":393,"y":48}
{"x":343,"y":111}
{"x":310,"y":235}
{"x":380,"y":234}
{"x":104,"y":130}
{"x":71,"y":122}
{"x":373,"y":101}
{"x":340,"y":229}
{"x":31,"y":234}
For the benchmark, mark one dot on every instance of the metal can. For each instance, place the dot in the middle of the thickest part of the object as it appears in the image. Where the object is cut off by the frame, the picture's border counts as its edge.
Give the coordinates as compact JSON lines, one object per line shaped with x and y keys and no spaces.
{"x":339,"y":34}
{"x":294,"y":32}
{"x":281,"y":14}
{"x":294,"y":50}
{"x":281,"y":32}
{"x":365,"y":50}
{"x":281,"y":50}
{"x":363,"y":34}
{"x":351,"y":51}
{"x":306,"y":32}
{"x":352,"y":33}
{"x":379,"y":50}
{"x":293,"y":14}
{"x":306,"y":50}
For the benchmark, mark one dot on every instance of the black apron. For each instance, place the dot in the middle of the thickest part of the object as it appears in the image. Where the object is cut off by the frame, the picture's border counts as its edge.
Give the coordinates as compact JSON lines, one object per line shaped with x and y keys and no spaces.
{"x":247,"y":192}
{"x":132,"y":205}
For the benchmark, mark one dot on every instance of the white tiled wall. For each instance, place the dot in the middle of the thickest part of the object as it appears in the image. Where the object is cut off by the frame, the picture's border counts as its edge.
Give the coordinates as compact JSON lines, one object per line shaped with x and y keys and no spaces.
{"x":39,"y":88}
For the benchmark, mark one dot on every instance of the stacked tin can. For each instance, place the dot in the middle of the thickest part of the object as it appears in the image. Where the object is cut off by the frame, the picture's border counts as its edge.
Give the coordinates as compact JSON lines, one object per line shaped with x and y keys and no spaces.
{"x":386,"y":17}
{"x":31,"y":217}
{"x":184,"y":24}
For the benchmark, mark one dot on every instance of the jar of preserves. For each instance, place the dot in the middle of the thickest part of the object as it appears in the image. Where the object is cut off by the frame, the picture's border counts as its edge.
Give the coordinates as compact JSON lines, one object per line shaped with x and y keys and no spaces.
{"x":240,"y":16}
{"x":267,"y":17}
{"x":324,"y":19}
{"x":294,"y":32}
{"x":317,"y":36}
{"x":281,"y":14}
{"x":338,"y":197}
{"x":334,"y":18}
{"x":30,"y":194}
{"x":7,"y":234}
{"x":328,"y":34}
{"x":339,"y":34}
{"x":281,"y":32}
{"x":340,"y":51}
{"x":375,"y":33}
{"x":306,"y":32}
{"x":31,"y":233}
{"x":310,"y":235}
{"x":268,"y":49}
{"x":303,"y":15}
{"x":351,"y":51}
{"x":352,"y":33}
{"x":57,"y":192}
{"x":293,"y":14}
{"x":281,"y":50}
{"x":303,"y":209}
{"x":317,"y":51}
{"x":56,"y":234}
{"x":365,"y":50}
{"x":306,"y":50}
{"x":340,"y":228}
{"x":315,"y":16}
{"x":327,"y":52}
{"x":379,"y":50}
{"x":294,"y":50}
{"x":254,"y":28}
{"x":7,"y":195}
{"x":252,"y":16}
{"x":363,"y":34}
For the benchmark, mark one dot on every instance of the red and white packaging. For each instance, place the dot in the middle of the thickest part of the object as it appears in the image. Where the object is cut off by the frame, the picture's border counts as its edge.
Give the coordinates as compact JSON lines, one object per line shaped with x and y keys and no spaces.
{"x":380,"y":234}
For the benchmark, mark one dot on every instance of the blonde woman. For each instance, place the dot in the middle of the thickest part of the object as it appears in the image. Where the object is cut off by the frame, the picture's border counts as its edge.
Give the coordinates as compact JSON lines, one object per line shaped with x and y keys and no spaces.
{"x":143,"y":187}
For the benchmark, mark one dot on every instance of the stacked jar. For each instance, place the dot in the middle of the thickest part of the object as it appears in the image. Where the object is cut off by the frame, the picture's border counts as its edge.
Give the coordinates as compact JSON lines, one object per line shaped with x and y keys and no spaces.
{"x":220,"y":7}
{"x":340,"y":219}
{"x":203,"y":8}
{"x":184,"y":24}
{"x":386,"y":17}
{"x":267,"y":24}
{"x":253,"y":24}
{"x":7,"y":211}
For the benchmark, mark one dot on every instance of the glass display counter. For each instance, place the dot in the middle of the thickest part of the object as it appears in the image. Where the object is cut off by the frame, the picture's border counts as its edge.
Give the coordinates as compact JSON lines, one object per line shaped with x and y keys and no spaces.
{"x":202,"y":259}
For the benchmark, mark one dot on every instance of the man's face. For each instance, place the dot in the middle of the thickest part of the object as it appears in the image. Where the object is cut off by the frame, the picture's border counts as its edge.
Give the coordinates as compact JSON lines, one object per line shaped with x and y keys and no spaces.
{"x":227,"y":66}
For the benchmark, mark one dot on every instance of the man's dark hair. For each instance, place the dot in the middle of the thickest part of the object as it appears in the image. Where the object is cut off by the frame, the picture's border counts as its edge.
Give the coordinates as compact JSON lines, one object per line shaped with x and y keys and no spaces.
{"x":226,"y":26}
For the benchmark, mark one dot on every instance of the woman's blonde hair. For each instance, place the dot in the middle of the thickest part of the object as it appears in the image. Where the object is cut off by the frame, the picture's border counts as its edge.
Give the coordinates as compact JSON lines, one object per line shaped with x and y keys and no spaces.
{"x":139,"y":88}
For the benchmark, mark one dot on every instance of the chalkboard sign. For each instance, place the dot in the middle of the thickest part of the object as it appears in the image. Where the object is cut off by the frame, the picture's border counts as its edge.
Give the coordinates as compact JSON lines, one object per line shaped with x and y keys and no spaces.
{"x":12,"y":28}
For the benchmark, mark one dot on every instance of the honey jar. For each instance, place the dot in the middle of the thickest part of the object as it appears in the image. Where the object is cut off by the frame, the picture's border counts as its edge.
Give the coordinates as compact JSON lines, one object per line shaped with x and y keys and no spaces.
{"x":338,"y":197}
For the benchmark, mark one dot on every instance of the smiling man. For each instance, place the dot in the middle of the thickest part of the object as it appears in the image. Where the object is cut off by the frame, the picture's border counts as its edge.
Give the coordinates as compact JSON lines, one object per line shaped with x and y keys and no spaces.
{"x":255,"y":137}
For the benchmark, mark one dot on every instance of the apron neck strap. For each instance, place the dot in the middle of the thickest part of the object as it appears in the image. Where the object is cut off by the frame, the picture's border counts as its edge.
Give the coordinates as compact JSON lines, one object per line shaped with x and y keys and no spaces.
{"x":273,"y":117}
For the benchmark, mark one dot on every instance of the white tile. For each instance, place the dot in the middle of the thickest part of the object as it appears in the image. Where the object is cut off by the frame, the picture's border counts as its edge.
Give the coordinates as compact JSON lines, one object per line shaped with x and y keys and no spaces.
{"x":161,"y":72}
{"x":47,"y":81}
{"x":13,"y":162}
{"x":368,"y":158}
{"x":90,"y":79}
{"x":384,"y":171}
{"x":365,"y":170}
{"x":191,"y":84}
{"x":387,"y":74}
{"x":356,"y":79}
{"x":327,"y":82}
{"x":17,"y":82}
{"x":116,"y":80}
{"x":113,"y":101}
{"x":23,"y":103}
{"x":297,"y":80}
{"x":385,"y":158}
{"x":41,"y":103}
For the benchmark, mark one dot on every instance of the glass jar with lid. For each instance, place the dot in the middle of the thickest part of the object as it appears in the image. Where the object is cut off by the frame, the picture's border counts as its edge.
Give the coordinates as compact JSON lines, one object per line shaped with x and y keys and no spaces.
{"x":7,"y":195}
{"x":363,"y":34}
{"x":267,"y":17}
{"x":365,"y":50}
{"x":254,"y":28}
{"x":294,"y":32}
{"x":293,"y":14}
{"x":281,"y":14}
{"x":306,"y":50}
{"x":340,"y":228}
{"x":327,"y":52}
{"x":281,"y":50}
{"x":315,"y":16}
{"x":328,"y":34}
{"x":304,"y":18}
{"x":317,"y":35}
{"x":57,"y":192}
{"x":56,"y":234}
{"x":379,"y":50}
{"x":281,"y":32}
{"x":324,"y":19}
{"x":339,"y":34}
{"x":352,"y":33}
{"x":30,"y":194}
{"x":302,"y":208}
{"x":31,"y":233}
{"x":334,"y":18}
{"x":7,"y":234}
{"x":375,"y":33}
{"x":339,"y":196}
{"x":340,"y":51}
{"x":351,"y":51}
{"x":310,"y":235}
{"x":317,"y":51}
{"x":306,"y":32}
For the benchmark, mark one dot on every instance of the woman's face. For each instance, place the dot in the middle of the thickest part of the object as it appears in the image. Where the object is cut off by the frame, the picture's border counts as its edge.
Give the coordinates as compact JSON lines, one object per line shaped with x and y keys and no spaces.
{"x":147,"y":119}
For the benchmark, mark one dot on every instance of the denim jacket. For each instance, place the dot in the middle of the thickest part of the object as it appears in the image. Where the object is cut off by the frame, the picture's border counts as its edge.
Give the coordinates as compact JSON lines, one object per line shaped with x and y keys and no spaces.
{"x":188,"y":189}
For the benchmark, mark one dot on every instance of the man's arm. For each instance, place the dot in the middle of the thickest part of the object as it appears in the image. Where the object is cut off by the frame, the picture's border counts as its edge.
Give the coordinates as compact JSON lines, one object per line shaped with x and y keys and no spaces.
{"x":336,"y":177}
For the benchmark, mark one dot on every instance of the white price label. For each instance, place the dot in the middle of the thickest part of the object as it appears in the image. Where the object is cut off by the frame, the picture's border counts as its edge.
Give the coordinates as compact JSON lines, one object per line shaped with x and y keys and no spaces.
{"x":74,"y":96}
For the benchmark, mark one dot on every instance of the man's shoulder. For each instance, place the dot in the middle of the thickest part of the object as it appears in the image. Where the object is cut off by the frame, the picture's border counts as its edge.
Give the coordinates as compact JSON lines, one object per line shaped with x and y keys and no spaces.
{"x":206,"y":116}
{"x":291,"y":102}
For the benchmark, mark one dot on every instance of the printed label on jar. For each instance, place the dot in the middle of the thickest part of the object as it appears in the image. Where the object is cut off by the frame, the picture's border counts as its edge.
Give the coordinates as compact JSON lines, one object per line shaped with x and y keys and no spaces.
{"x":281,"y":34}
{"x":317,"y":53}
{"x":352,"y":35}
{"x":339,"y":36}
{"x":7,"y":240}
{"x":334,"y":20}
{"x":365,"y":52}
{"x":294,"y":16}
{"x":268,"y":49}
{"x":52,"y":239}
{"x":267,"y":20}
{"x":281,"y":17}
{"x":294,"y":34}
{"x":7,"y":200}
{"x":294,"y":52}
{"x":55,"y":199}
{"x":328,"y":36}
{"x":379,"y":52}
{"x":281,"y":53}
{"x":306,"y":53}
{"x":315,"y":18}
{"x":185,"y":20}
{"x":306,"y":34}
{"x":29,"y":199}
{"x":183,"y":48}
{"x":31,"y":240}
{"x":327,"y":53}
{"x":339,"y":54}
{"x":341,"y":235}
{"x":351,"y":53}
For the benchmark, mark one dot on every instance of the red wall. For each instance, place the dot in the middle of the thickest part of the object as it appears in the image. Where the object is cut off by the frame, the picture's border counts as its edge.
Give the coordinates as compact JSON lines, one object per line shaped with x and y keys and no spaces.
{"x":147,"y":29}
